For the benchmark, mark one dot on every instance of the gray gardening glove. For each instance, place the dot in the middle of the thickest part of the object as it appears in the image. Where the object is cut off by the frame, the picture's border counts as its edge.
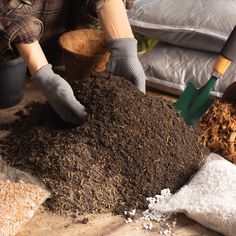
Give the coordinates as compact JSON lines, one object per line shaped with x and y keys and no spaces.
{"x":124,"y":62}
{"x":60,"y":95}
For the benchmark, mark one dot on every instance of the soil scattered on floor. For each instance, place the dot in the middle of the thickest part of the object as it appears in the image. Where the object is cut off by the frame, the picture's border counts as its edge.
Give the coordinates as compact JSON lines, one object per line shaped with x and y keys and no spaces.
{"x":219,"y":130}
{"x":131,"y":147}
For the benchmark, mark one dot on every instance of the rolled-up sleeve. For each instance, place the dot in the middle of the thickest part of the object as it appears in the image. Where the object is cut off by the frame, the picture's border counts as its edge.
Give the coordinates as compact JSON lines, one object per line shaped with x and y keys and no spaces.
{"x":17,"y":25}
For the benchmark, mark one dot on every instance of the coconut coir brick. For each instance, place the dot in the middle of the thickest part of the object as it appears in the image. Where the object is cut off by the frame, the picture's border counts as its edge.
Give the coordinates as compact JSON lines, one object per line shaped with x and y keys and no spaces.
{"x":219,"y":130}
{"x":131,"y":147}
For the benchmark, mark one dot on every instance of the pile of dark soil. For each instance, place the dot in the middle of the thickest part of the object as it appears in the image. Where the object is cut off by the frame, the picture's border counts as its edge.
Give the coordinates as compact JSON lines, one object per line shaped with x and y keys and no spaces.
{"x":131,"y":147}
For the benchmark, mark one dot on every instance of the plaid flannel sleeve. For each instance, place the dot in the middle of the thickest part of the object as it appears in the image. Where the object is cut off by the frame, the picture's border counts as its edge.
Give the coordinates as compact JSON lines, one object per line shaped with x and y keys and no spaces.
{"x":17,"y":25}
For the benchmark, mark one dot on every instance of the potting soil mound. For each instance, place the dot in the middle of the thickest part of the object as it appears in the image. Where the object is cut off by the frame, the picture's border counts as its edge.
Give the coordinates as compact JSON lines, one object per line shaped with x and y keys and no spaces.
{"x":131,"y":147}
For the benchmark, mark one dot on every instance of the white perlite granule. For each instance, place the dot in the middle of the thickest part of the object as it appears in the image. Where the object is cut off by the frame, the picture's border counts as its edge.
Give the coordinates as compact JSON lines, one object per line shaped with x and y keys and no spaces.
{"x":152,"y":215}
{"x":209,"y":198}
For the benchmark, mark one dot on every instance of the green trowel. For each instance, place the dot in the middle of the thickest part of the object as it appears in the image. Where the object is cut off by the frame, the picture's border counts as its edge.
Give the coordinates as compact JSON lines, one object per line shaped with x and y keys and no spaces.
{"x":193,"y":102}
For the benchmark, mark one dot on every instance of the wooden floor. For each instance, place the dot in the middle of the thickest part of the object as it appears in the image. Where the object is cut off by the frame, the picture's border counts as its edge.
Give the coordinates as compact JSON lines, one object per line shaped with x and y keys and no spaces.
{"x":46,"y":224}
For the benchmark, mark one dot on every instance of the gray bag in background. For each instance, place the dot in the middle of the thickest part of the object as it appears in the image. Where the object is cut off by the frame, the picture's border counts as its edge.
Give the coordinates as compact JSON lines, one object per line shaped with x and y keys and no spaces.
{"x":198,"y":24}
{"x":170,"y":69}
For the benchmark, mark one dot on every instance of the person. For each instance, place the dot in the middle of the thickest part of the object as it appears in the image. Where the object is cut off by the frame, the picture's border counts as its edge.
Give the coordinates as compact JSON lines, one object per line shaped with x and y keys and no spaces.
{"x":21,"y":30}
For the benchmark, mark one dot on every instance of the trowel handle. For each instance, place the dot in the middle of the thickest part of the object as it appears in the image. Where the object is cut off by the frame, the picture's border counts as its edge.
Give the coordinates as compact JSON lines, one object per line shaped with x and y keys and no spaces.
{"x":227,"y":54}
{"x":229,"y":49}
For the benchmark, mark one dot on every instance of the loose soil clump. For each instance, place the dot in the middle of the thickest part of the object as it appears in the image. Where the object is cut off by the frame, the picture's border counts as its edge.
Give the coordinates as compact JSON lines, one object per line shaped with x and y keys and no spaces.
{"x":131,"y":147}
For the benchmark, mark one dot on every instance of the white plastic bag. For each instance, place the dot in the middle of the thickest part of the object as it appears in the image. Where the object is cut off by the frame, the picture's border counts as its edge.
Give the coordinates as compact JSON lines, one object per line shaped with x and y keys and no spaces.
{"x":170,"y":68}
{"x":209,"y":198}
{"x":198,"y":24}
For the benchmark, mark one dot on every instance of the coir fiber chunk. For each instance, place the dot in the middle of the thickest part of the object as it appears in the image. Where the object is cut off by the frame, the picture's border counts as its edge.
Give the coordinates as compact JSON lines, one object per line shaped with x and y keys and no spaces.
{"x":131,"y":147}
{"x":219,"y":130}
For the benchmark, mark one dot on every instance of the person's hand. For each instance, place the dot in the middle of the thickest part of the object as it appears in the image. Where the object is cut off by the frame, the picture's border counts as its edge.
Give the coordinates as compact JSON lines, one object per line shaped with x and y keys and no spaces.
{"x":124,"y":62}
{"x":60,"y":95}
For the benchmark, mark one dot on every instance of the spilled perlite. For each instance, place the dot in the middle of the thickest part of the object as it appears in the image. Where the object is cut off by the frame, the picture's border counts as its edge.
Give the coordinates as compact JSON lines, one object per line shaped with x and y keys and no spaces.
{"x":209,"y":198}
